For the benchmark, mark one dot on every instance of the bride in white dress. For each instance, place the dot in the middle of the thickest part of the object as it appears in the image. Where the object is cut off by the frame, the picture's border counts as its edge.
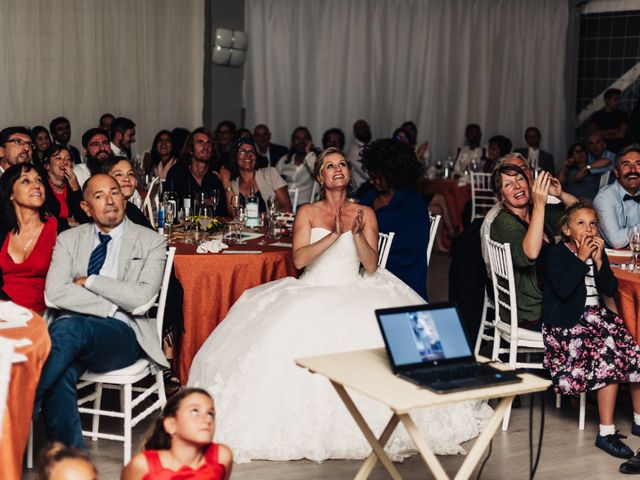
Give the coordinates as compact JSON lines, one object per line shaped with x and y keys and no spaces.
{"x":267,"y":407}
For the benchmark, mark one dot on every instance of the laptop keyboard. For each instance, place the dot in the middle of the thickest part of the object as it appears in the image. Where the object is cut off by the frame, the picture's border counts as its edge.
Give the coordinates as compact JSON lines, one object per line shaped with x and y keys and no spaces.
{"x":452,"y":372}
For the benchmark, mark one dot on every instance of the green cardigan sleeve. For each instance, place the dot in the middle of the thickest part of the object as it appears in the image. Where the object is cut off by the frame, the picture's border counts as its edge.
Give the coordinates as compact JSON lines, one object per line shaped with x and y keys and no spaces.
{"x":507,"y":229}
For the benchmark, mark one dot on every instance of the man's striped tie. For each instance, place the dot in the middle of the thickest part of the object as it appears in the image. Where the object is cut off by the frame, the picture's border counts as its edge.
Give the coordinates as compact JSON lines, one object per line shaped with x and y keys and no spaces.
{"x":96,"y":260}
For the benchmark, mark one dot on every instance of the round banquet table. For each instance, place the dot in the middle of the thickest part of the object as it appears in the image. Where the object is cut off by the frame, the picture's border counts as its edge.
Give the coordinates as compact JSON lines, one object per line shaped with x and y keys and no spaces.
{"x":455,"y":196}
{"x":22,"y":391}
{"x":212,"y":282}
{"x":628,"y":300}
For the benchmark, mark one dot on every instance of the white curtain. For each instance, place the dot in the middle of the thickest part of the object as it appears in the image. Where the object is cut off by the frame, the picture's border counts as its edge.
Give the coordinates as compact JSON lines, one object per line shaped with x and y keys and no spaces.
{"x":441,"y":63}
{"x":140,"y":59}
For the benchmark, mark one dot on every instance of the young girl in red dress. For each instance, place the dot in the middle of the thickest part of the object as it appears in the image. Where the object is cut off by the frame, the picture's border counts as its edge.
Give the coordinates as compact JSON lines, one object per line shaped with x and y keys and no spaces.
{"x":179,"y":445}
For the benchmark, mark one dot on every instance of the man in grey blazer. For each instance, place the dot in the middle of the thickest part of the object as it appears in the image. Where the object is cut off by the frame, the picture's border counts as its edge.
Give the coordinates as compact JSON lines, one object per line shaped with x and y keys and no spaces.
{"x":103,"y":277}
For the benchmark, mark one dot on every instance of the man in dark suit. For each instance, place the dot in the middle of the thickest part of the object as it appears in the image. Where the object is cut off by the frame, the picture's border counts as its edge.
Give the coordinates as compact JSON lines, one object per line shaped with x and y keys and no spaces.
{"x":60,"y":129}
{"x":103,"y":278}
{"x":537,"y":158}
{"x":271,"y":151}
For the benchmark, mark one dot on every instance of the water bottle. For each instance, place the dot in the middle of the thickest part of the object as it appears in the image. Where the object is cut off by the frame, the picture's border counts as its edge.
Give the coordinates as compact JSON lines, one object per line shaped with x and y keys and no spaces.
{"x":253,"y":215}
{"x":161,"y":218}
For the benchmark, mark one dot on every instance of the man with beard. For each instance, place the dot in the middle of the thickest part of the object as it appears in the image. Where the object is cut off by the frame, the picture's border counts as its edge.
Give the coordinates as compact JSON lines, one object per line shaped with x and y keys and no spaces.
{"x":122,"y":135}
{"x":618,"y":204}
{"x":193,"y":174}
{"x":97,"y":149}
{"x":297,"y":166}
{"x":16,"y":146}
{"x":361,"y":137}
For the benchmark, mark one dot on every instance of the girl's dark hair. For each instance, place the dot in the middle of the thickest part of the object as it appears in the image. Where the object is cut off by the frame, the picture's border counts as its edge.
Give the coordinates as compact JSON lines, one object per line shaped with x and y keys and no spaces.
{"x":38,"y":129}
{"x":111,"y":162}
{"x":509,"y":170}
{"x":155,"y":156}
{"x":53,"y":150}
{"x":157,"y":438}
{"x":57,"y":453}
{"x":8,"y":179}
{"x":570,"y":211}
{"x":394,"y":161}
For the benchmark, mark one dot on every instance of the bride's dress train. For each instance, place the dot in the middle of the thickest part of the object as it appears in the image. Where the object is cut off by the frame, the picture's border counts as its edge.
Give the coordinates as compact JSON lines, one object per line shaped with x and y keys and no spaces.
{"x":268,"y":408}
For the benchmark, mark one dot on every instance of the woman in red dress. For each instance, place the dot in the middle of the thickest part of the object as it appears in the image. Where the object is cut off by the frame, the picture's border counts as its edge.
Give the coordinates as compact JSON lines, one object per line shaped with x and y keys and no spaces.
{"x":179,"y":445}
{"x":27,"y":236}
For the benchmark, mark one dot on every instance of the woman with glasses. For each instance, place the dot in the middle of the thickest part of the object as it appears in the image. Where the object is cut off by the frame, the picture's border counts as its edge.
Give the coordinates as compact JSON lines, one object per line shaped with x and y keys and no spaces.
{"x":63,"y":192}
{"x":243,"y":177}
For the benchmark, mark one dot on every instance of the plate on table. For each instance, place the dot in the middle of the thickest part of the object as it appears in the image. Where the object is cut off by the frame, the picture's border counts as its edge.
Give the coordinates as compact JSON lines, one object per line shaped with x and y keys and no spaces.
{"x":614,"y":252}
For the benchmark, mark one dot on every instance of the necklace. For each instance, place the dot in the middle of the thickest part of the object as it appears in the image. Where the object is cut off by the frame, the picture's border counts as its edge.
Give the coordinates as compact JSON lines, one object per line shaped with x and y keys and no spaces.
{"x":26,"y":245}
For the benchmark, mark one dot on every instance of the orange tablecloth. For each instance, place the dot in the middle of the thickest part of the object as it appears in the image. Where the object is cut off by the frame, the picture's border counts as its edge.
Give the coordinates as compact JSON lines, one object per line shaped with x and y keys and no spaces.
{"x":213,"y":282}
{"x":455,"y":196}
{"x":628,"y":300}
{"x":22,"y":391}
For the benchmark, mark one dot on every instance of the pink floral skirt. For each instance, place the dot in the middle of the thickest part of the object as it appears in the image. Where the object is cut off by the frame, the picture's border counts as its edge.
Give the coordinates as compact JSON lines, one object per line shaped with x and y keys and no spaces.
{"x":596,"y":352}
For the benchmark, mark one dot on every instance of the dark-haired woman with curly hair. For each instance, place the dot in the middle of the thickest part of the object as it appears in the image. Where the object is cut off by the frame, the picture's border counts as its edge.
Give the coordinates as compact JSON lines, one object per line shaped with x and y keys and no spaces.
{"x":394,"y":171}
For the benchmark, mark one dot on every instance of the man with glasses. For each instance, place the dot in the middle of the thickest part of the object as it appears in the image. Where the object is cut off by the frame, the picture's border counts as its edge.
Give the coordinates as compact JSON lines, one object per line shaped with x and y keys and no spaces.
{"x":16,"y":146}
{"x":618,"y":204}
{"x":194,"y":174}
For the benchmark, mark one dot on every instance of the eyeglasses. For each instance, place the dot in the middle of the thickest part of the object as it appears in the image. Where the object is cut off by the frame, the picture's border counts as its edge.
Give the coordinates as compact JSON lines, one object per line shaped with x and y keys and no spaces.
{"x":18,"y":142}
{"x":246,"y":153}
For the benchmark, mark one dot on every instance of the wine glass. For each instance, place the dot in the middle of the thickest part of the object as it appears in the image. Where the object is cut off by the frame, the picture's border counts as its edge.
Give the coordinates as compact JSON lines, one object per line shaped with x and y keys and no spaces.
{"x":634,"y":244}
{"x":215,"y":199}
{"x":205,"y":217}
{"x":240,"y":221}
{"x":272,"y":206}
{"x":234,"y":205}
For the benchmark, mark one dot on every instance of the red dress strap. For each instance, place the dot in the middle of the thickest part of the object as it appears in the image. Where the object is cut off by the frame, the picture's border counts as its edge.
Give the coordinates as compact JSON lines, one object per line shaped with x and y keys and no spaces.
{"x":153,"y":460}
{"x":211,"y":455}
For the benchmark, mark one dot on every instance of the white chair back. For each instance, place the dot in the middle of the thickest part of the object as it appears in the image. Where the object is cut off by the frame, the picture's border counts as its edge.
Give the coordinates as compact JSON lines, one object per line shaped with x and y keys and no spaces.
{"x":433,"y":231}
{"x":501,"y":274}
{"x":294,"y":193}
{"x":604,"y":179}
{"x":151,"y":202}
{"x":384,"y":246}
{"x":315,"y":192}
{"x":6,"y":354}
{"x":482,"y":197}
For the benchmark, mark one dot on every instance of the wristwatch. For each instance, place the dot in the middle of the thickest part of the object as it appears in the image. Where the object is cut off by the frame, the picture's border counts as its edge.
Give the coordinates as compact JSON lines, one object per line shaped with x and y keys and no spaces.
{"x":589,"y":168}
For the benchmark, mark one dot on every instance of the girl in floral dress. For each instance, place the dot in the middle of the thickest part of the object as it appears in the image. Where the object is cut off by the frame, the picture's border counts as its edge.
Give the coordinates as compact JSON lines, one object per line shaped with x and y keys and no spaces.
{"x":587,"y":346}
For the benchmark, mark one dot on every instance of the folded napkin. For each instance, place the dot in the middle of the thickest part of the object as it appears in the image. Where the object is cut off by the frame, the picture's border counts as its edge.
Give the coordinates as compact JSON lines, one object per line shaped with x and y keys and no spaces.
{"x":10,"y":312}
{"x":212,"y":246}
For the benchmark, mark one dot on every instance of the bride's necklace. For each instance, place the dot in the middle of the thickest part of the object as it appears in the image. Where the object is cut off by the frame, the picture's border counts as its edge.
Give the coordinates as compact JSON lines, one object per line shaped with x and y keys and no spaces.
{"x":26,"y":245}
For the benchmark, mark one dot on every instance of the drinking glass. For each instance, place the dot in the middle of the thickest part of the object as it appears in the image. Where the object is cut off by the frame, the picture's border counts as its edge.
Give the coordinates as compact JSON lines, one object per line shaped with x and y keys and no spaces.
{"x":234,"y":204}
{"x":215,"y":199}
{"x":205,"y":217}
{"x":272,"y":206}
{"x":634,"y":244}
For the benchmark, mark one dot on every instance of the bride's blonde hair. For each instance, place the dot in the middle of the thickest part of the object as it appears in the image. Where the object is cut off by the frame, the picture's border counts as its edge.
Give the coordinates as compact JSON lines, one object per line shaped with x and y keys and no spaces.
{"x":318,"y":166}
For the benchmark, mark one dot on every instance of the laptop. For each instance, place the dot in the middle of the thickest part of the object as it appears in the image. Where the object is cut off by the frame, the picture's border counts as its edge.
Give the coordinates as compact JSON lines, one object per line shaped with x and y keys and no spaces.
{"x":427,"y":345}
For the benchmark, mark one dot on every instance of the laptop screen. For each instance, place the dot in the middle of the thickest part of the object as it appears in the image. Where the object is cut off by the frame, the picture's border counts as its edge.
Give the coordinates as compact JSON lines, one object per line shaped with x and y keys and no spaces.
{"x":423,"y":335}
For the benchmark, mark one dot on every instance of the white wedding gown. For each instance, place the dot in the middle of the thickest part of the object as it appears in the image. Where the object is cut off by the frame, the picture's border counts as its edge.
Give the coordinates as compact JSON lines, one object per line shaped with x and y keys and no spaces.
{"x":269,"y":408}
